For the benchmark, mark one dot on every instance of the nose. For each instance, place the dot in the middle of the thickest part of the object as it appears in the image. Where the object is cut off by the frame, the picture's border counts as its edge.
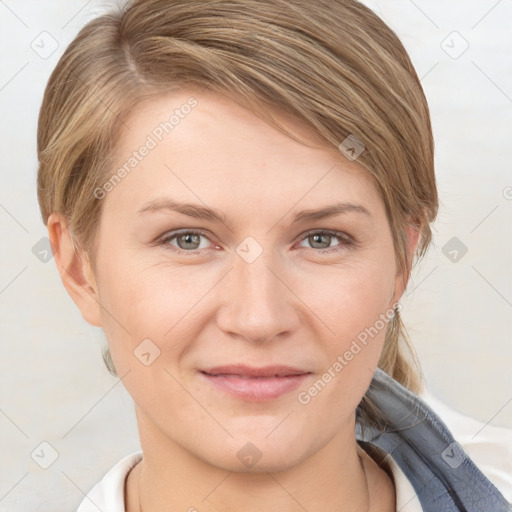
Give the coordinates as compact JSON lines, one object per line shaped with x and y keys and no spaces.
{"x":259,"y":304}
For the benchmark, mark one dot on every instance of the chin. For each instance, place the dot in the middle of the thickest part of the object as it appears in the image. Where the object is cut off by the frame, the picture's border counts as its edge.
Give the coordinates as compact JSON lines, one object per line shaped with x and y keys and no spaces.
{"x":256,"y":451}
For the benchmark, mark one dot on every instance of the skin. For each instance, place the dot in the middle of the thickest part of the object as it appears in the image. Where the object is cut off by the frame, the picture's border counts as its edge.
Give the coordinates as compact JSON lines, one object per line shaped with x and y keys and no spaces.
{"x":296,"y":304}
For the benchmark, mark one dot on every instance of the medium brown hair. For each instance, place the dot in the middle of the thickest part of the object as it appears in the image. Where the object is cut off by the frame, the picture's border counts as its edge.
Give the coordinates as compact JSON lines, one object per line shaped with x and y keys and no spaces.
{"x":333,"y":65}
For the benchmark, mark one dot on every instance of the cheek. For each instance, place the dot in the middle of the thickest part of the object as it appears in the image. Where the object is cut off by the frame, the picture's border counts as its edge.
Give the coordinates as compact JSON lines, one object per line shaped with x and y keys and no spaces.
{"x":351,"y":298}
{"x":143,"y":302}
{"x":355,"y":305}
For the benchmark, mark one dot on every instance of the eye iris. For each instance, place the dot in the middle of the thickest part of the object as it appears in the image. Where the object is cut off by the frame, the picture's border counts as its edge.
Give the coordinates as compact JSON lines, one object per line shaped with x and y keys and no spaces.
{"x":187,"y":239}
{"x":317,"y":236}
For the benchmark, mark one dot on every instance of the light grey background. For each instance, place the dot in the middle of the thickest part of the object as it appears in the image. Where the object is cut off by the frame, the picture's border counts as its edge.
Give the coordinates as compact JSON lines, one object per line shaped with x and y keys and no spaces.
{"x":54,"y":386}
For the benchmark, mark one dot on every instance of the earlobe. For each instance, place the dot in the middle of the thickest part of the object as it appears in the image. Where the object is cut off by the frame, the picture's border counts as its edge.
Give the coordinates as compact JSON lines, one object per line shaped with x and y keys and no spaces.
{"x":75,"y":270}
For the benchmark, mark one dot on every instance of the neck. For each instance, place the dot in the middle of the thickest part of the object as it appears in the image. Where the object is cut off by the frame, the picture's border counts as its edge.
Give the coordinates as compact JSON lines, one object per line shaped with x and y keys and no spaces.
{"x":173,"y":478}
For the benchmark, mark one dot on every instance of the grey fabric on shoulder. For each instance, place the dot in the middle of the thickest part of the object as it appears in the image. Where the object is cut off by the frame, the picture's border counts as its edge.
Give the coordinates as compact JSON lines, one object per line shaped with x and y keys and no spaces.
{"x":441,"y":472}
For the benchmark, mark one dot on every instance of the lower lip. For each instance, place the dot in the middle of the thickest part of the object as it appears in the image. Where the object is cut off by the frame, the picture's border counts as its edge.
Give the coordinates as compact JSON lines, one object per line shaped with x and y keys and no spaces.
{"x":260,"y":389}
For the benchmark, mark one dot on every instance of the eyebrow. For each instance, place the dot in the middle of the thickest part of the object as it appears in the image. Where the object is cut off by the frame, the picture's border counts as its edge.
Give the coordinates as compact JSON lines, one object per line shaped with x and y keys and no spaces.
{"x":202,"y":212}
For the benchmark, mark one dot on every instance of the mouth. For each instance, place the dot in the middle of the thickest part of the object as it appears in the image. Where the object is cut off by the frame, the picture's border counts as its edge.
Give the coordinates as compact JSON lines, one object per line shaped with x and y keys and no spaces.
{"x":255,"y":384}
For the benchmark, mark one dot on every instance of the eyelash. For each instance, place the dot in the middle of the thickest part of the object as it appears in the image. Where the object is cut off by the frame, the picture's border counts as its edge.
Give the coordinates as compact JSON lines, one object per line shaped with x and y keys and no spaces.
{"x":346,"y":241}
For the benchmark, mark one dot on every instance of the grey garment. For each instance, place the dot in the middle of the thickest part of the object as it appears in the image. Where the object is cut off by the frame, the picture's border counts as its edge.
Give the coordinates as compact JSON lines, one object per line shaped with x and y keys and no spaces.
{"x":441,"y":472}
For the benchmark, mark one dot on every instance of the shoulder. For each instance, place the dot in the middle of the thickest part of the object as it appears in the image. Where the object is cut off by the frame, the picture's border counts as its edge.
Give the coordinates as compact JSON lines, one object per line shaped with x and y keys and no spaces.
{"x":108,"y":494}
{"x":442,"y":453}
{"x":490,"y":447}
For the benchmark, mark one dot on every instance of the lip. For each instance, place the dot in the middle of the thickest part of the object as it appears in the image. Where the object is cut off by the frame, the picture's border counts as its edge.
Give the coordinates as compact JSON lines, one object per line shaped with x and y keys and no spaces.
{"x":255,"y":384}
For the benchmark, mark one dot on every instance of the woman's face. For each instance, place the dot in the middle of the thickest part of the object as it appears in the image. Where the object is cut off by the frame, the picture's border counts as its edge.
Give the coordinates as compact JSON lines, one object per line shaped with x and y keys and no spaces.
{"x":211,"y":255}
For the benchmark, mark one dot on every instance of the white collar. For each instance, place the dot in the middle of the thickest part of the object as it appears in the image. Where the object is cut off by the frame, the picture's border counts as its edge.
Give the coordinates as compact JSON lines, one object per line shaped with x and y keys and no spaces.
{"x":108,"y":494}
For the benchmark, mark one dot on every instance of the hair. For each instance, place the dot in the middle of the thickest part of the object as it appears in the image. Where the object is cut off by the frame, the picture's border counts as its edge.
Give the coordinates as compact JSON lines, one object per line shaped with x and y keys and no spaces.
{"x":333,"y":65}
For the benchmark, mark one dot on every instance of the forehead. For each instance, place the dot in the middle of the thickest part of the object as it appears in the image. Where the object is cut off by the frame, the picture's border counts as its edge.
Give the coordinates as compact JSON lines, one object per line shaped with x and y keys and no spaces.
{"x":203,"y":144}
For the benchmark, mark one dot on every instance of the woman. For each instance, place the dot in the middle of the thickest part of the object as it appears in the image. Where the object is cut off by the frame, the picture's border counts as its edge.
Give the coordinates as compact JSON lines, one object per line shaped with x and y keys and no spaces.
{"x":236,"y":191}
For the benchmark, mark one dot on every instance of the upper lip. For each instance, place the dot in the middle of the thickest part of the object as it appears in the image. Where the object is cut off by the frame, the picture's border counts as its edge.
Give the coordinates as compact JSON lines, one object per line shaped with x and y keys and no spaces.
{"x":251,"y":371}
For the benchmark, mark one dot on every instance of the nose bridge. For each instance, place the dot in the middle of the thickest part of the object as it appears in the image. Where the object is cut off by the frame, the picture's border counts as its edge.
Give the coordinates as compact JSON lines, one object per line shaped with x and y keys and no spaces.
{"x":260,"y":307}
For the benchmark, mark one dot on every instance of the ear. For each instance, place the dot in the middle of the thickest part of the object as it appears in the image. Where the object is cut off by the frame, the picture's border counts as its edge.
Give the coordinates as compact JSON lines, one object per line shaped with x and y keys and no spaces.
{"x":412,"y":232}
{"x":75,"y":270}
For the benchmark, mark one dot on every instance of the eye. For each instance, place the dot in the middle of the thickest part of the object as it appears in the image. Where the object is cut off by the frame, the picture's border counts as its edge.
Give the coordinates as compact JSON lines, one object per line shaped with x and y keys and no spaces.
{"x":189,"y":242}
{"x":186,"y":241}
{"x":322,"y":240}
